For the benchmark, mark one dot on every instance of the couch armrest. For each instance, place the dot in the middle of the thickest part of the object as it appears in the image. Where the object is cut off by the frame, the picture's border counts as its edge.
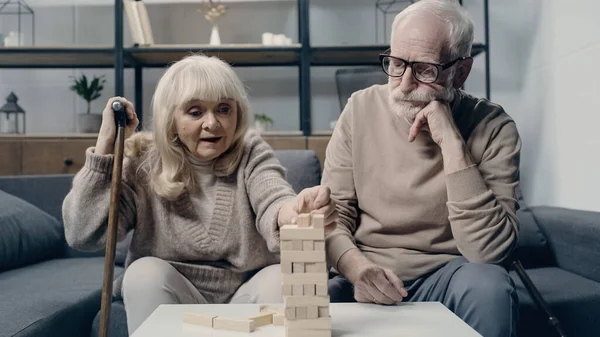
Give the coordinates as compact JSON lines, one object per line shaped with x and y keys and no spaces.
{"x":574,"y":238}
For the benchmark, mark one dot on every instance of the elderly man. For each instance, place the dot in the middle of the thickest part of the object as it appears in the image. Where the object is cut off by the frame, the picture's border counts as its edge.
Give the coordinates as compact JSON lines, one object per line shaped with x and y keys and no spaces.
{"x":424,"y":176}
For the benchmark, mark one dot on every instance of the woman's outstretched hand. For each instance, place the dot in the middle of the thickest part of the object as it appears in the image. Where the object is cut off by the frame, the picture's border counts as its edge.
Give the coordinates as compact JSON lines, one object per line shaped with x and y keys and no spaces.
{"x":314,"y":200}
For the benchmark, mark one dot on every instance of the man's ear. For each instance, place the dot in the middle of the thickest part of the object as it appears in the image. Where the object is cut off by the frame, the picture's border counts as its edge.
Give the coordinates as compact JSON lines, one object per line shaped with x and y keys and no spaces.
{"x":463,"y":69}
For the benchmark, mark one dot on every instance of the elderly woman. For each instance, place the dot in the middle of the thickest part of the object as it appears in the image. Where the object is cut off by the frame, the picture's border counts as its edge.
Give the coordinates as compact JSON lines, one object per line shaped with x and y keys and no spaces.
{"x":204,"y":196}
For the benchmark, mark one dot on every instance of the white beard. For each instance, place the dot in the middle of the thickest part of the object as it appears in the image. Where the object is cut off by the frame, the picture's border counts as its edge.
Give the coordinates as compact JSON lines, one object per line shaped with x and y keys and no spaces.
{"x":407,"y":106}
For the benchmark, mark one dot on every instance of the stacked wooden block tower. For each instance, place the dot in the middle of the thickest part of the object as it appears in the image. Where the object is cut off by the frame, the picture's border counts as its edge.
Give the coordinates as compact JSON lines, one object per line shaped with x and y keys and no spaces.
{"x":305,"y":278}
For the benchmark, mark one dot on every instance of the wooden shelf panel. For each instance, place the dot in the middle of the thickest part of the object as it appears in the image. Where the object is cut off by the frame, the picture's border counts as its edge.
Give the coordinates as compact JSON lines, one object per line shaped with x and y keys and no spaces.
{"x":56,"y":57}
{"x":236,"y":54}
{"x":359,"y":55}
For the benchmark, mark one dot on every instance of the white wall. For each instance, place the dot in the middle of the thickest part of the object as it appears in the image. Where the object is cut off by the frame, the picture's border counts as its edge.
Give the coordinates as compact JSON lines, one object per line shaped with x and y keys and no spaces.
{"x":544,"y":58}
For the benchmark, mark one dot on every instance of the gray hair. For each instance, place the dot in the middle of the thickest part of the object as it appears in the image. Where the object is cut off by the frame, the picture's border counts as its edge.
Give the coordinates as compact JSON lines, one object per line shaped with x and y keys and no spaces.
{"x":450,"y":12}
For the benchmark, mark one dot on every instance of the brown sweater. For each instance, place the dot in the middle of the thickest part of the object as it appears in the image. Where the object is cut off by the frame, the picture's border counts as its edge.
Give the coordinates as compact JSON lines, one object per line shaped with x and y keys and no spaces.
{"x":396,"y":203}
{"x":217,"y":256}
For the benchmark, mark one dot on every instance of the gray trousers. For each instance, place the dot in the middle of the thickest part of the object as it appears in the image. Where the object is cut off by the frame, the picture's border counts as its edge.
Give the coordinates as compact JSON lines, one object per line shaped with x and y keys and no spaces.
{"x":149,"y":282}
{"x":482,"y":295}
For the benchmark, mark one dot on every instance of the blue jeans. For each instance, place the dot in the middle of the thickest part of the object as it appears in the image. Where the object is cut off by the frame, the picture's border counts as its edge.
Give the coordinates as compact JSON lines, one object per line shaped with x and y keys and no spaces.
{"x":482,"y":295}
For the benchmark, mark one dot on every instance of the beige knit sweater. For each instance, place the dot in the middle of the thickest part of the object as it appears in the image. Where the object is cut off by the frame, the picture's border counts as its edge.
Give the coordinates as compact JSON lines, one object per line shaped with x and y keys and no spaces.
{"x":397,"y":204}
{"x":217,"y":256}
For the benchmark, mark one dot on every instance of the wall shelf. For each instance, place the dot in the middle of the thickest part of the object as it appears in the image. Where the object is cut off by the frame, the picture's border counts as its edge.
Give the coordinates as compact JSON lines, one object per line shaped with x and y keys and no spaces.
{"x":236,"y":54}
{"x":301,"y":55}
{"x":57,"y":57}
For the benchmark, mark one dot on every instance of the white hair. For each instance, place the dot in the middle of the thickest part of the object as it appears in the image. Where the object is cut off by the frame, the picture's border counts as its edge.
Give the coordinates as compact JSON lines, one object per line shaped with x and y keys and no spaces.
{"x":195,"y":77}
{"x":450,"y":12}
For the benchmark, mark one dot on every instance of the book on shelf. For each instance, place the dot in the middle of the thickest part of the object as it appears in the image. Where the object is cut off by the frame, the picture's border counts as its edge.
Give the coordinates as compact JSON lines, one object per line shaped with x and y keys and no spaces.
{"x":139,"y":22}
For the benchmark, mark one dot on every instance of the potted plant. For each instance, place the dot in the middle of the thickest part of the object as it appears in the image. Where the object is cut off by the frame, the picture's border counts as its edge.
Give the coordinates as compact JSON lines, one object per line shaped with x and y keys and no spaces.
{"x":262,"y":122}
{"x":88,"y":91}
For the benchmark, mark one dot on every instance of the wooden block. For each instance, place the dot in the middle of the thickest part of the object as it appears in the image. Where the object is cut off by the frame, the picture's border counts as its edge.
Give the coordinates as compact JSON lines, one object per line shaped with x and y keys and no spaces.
{"x":286,"y":290}
{"x":198,"y":319}
{"x":312,"y":312}
{"x":286,"y":267}
{"x":303,"y":256}
{"x":319,"y":245}
{"x":297,"y":268}
{"x":321,"y":290}
{"x":301,"y":313}
{"x":292,"y":232}
{"x":323,"y":311}
{"x":231,"y":324}
{"x":308,"y":245}
{"x":309,"y":290}
{"x":307,"y":333}
{"x":278,"y":319}
{"x":299,"y":301}
{"x":290,"y":313}
{"x":318,"y":220}
{"x":261,"y":320}
{"x":310,"y":324}
{"x":315,"y":267}
{"x":303,"y":220}
{"x":271,"y":309}
{"x":286,"y":245}
{"x":297,"y":290}
{"x":297,"y":245}
{"x":305,"y":278}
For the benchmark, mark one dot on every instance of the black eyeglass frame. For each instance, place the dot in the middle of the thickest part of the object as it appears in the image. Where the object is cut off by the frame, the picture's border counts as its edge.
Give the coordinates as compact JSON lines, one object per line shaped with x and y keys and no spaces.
{"x":440,"y":67}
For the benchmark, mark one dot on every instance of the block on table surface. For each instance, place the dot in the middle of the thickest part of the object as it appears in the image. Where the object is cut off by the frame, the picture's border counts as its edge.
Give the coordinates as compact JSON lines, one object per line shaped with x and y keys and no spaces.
{"x":308,"y":245}
{"x":233,"y":324}
{"x":303,"y":256}
{"x":318,"y":220}
{"x":271,"y":309}
{"x":262,"y":320}
{"x":299,"y":301}
{"x":309,"y":324}
{"x":319,"y":245}
{"x":279,"y":319}
{"x":293,"y":232}
{"x":297,"y":267}
{"x":309,"y":290}
{"x":307,"y":333}
{"x":305,"y":278}
{"x":303,"y":220}
{"x":198,"y":319}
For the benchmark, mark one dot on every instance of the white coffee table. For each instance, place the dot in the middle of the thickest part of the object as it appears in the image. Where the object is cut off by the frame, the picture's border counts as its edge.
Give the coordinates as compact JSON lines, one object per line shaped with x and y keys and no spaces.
{"x":422,"y":319}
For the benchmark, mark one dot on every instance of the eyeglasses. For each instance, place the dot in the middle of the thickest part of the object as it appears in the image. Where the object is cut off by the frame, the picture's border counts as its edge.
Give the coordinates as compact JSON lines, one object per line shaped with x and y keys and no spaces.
{"x":423,"y":72}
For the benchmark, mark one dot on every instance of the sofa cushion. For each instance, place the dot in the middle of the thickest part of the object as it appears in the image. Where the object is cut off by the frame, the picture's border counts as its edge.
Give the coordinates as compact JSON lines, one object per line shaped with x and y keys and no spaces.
{"x":303,"y":168}
{"x":573,"y":299}
{"x":117,"y":326}
{"x":533,"y":250}
{"x":29,"y":235}
{"x":53,"y":298}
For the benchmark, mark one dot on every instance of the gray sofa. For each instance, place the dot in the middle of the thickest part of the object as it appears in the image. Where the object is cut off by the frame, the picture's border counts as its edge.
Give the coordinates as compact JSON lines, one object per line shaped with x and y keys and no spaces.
{"x":48,"y":289}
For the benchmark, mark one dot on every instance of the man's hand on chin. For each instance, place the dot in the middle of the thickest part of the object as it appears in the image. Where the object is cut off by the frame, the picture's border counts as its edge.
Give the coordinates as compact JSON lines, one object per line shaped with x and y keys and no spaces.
{"x":436,"y":119}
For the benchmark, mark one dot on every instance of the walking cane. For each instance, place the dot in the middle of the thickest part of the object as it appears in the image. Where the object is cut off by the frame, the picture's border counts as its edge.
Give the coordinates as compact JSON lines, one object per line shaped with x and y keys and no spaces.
{"x":113,"y":218}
